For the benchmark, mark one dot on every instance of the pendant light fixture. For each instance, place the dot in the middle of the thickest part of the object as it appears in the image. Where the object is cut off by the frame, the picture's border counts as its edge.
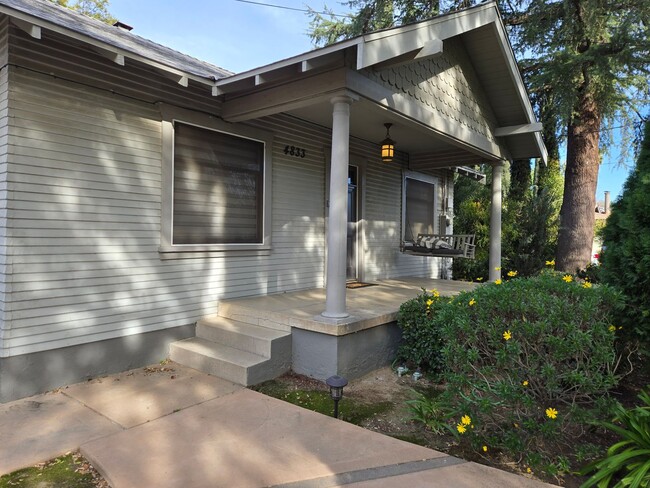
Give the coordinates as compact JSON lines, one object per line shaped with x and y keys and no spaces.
{"x":387,"y":146}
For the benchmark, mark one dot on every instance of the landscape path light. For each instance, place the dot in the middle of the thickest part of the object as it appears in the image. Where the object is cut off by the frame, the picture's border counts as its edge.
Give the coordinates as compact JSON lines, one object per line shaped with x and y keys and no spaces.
{"x":336,"y":384}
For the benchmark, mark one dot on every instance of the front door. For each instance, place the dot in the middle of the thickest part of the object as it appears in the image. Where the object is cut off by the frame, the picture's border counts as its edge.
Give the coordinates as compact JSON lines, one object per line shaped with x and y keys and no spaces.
{"x":353,"y":223}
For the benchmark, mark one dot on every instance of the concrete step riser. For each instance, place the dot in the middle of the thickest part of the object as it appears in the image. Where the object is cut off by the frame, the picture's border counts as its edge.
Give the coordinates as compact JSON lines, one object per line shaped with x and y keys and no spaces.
{"x":263,"y":371}
{"x":253,"y":316}
{"x":234,"y":339}
{"x":216,"y":367}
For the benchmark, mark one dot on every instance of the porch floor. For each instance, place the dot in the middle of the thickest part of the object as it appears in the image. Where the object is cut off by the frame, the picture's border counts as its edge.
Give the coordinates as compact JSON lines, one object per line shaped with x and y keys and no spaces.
{"x":368,"y":307}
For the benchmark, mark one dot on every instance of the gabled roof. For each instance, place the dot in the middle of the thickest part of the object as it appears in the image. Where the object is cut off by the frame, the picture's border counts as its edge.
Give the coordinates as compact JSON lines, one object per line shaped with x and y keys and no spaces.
{"x":50,"y":15}
{"x":480,"y":28}
{"x":484,"y":37}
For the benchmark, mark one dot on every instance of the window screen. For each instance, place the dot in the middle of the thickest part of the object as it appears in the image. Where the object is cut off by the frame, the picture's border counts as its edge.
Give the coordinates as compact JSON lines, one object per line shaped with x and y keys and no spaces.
{"x":218,"y":187}
{"x":419,"y":208}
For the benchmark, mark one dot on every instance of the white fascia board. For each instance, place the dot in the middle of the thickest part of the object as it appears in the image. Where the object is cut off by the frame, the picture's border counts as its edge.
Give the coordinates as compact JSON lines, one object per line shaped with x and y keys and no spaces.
{"x":305,"y":62}
{"x":513,"y":130}
{"x":424,"y":39}
{"x":96,"y":44}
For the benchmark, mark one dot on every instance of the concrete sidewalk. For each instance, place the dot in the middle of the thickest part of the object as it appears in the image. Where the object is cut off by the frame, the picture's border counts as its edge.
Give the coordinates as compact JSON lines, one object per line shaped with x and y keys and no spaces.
{"x":171,"y":426}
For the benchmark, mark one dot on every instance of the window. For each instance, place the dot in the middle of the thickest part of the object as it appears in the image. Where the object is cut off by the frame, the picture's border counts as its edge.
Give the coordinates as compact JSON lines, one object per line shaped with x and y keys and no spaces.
{"x":418,"y":206}
{"x":215,"y":184}
{"x":218,"y":187}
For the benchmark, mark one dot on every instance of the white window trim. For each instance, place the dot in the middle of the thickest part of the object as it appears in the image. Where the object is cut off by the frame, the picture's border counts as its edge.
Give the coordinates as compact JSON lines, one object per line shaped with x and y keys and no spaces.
{"x":433,"y":180}
{"x":170,"y":115}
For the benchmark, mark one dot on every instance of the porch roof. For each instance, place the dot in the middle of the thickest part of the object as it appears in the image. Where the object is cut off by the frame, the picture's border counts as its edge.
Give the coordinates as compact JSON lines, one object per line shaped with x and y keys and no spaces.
{"x":303,"y":85}
{"x":258,"y":92}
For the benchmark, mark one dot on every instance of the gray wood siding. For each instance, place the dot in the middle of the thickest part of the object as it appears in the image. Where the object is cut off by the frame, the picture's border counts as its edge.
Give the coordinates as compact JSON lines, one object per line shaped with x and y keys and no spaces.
{"x":83,"y":185}
{"x":4,"y":121}
{"x":84,"y":221}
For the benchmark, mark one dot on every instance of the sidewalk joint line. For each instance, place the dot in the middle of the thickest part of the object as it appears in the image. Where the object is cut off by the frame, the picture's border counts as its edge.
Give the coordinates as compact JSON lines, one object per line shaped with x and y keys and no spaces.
{"x":379,"y":472}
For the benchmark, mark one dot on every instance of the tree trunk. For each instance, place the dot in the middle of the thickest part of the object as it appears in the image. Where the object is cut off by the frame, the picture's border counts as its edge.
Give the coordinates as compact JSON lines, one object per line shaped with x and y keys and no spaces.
{"x":577,"y":215}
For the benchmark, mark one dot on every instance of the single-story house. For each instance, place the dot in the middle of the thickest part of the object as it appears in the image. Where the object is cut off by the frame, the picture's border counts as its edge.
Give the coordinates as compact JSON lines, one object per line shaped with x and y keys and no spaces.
{"x":141,"y":187}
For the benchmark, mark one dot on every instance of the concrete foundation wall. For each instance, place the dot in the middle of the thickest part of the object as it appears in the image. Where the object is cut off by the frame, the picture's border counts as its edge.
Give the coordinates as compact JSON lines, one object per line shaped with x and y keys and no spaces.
{"x":28,"y":374}
{"x":322,"y":355}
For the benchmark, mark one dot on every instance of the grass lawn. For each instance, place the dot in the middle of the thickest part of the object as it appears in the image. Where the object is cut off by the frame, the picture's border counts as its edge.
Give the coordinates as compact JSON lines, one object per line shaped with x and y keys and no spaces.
{"x":69,"y":471}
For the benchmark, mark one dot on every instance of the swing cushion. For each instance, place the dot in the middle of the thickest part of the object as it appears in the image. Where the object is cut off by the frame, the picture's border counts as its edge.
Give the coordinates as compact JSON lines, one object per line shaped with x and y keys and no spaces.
{"x":441,"y":244}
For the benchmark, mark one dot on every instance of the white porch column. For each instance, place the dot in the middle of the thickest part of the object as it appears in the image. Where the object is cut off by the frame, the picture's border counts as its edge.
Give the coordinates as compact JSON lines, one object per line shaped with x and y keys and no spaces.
{"x":338,"y":210}
{"x":495,"y":223}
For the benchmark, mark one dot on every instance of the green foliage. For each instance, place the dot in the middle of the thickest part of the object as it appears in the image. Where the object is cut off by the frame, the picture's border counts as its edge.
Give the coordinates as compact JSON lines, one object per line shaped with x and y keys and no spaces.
{"x":626,"y":243}
{"x":627,"y":462}
{"x":97,"y":9}
{"x":421,"y":340}
{"x":68,"y":471}
{"x":369,"y":16}
{"x":526,"y":363}
{"x":529,"y":222}
{"x":431,"y":412}
{"x":350,"y":409}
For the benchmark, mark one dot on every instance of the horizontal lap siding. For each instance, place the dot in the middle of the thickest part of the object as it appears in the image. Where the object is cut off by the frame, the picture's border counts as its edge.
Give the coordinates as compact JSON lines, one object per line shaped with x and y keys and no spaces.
{"x":4,"y":33}
{"x":382,"y":215}
{"x":85,"y":207}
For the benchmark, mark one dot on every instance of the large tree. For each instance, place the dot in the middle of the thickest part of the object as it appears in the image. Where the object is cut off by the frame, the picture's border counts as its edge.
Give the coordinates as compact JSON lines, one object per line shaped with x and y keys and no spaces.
{"x":97,"y":9}
{"x":587,"y":60}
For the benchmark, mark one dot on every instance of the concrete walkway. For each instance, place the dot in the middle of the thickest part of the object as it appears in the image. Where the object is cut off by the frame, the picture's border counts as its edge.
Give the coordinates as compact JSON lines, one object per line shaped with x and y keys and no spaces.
{"x":170,"y":426}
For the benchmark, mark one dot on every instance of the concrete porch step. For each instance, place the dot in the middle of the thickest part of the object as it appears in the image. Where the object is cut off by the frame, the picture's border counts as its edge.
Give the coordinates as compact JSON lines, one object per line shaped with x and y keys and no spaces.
{"x":246,"y":337}
{"x":247,"y":312}
{"x":241,"y":367}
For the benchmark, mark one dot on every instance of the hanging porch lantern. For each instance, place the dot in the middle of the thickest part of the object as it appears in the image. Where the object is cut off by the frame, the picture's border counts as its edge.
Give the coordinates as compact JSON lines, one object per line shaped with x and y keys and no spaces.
{"x":387,"y":146}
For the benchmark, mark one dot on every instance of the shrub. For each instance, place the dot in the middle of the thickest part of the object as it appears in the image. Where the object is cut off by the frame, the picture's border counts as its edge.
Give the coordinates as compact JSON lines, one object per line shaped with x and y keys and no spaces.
{"x":627,"y":461}
{"x":526,"y":361}
{"x":421,"y":340}
{"x":626,"y":243}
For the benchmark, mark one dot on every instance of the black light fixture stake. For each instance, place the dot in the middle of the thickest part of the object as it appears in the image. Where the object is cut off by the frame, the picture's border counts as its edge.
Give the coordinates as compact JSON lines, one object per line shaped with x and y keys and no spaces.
{"x":336,"y":384}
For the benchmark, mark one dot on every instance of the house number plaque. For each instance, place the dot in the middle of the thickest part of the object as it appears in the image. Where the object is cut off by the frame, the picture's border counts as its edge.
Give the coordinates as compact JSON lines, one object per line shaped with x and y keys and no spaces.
{"x":298,"y":152}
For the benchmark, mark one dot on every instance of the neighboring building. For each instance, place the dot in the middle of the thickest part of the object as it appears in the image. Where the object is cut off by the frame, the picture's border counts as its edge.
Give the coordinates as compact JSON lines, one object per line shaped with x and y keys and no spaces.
{"x":603,"y":209}
{"x":141,"y":186}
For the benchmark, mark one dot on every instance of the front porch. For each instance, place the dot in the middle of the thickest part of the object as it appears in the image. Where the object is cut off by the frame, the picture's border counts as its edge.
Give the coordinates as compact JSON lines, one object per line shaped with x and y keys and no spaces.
{"x":254,"y":339}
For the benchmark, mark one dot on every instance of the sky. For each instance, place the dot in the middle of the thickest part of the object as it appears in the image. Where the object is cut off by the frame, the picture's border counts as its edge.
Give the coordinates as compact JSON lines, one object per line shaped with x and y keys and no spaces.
{"x":239,"y":36}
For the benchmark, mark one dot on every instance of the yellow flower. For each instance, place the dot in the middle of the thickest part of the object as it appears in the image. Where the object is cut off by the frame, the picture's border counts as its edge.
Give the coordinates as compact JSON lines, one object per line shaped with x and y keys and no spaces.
{"x":435,"y":293}
{"x":461,"y":428}
{"x":429,"y":302}
{"x":528,"y":470}
{"x":485,"y":448}
{"x":497,"y":282}
{"x":480,"y":278}
{"x":586,"y":284}
{"x":567,"y":278}
{"x":612,"y":328}
{"x":512,"y":274}
{"x":472,"y":302}
{"x":498,"y":268}
{"x":550,"y":263}
{"x":465,"y":420}
{"x":551,"y":413}
{"x":507,"y":335}
{"x":525,"y":383}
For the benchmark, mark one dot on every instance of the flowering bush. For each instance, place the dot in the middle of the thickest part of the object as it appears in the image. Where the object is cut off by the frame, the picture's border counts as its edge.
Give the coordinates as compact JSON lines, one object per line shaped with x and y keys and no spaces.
{"x":421,"y":340}
{"x":527,"y":362}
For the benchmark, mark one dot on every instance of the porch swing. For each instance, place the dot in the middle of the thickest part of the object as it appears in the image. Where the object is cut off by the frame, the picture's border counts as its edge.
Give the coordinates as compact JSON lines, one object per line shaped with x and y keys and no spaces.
{"x":440,"y":245}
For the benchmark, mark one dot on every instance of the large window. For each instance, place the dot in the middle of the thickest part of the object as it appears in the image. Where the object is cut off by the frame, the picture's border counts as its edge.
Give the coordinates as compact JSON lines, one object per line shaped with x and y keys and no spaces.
{"x":218,"y":187}
{"x":419,"y":200}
